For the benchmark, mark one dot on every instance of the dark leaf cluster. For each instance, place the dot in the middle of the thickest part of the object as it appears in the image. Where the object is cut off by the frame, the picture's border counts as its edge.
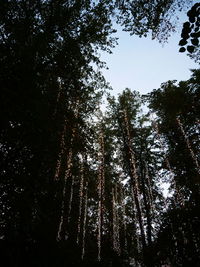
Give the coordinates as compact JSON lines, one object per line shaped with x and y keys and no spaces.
{"x":191,"y":30}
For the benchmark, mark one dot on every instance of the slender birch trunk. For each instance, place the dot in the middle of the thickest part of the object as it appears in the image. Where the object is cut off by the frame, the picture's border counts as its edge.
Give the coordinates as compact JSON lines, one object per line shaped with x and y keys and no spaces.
{"x":84,"y":221}
{"x":101,"y":182}
{"x":67,"y":174}
{"x":115,"y":223}
{"x":146,"y":204}
{"x":123,"y":207}
{"x":134,"y":178}
{"x":61,"y":152}
{"x":80,"y":199}
{"x":71,"y":198}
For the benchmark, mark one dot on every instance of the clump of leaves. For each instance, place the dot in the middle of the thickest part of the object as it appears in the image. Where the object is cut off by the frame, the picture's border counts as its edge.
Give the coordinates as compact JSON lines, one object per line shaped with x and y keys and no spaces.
{"x":191,"y":30}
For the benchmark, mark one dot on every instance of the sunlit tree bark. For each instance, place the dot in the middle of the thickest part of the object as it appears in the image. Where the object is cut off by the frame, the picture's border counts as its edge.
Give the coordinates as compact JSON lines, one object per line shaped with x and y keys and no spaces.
{"x":84,"y":220}
{"x":134,"y":176}
{"x":100,"y":188}
{"x":67,"y":174}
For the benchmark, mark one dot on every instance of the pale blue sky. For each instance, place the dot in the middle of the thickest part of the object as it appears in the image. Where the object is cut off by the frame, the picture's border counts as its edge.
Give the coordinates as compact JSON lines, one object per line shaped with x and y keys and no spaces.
{"x":142,"y":64}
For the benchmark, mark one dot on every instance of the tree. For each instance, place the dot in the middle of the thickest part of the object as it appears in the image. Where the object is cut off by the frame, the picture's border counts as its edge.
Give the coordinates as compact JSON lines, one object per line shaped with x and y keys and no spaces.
{"x":138,"y":163}
{"x":47,"y":48}
{"x":177,"y":108}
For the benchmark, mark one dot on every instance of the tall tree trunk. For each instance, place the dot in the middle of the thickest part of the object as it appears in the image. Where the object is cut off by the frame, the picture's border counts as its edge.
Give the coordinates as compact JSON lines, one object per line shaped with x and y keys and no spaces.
{"x":59,"y":94}
{"x":61,"y":152}
{"x":116,"y":238}
{"x":101,"y":184}
{"x":149,"y":188}
{"x":123,"y":207}
{"x":67,"y":174}
{"x":134,"y":177}
{"x":84,"y":221}
{"x":135,"y":220}
{"x":70,"y":199}
{"x":80,"y":198}
{"x":146,"y":203}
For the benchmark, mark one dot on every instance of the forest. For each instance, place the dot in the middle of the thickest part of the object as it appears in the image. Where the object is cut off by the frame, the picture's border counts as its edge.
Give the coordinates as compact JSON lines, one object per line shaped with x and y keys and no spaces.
{"x":82,"y":185}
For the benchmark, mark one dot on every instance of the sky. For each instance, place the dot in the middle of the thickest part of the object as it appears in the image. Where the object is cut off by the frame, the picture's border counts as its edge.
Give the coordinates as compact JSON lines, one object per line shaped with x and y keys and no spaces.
{"x":143,"y":64}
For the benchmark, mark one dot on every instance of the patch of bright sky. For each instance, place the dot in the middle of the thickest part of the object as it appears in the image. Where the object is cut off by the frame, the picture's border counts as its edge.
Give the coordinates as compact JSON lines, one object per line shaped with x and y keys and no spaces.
{"x":142,"y":64}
